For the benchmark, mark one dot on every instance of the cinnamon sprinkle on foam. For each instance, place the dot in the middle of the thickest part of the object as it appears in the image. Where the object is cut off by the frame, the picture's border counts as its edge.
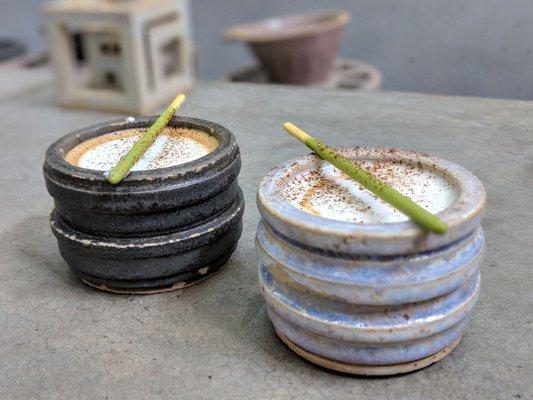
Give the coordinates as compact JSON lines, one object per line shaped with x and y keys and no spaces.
{"x":327,"y":192}
{"x":172,"y":147}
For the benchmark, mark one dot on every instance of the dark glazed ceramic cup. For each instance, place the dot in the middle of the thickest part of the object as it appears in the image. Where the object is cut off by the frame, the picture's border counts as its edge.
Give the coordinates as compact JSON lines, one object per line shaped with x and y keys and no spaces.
{"x":146,"y":201}
{"x":296,"y":49}
{"x":157,"y":230}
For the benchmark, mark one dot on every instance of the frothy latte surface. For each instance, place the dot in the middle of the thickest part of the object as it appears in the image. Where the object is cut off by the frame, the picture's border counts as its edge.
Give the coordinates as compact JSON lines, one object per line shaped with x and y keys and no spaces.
{"x":328,"y":192}
{"x":172,"y":147}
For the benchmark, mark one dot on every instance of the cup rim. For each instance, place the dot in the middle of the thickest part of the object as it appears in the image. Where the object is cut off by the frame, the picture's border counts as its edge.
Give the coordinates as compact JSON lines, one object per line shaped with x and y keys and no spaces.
{"x":392,"y":238}
{"x":259,"y":31}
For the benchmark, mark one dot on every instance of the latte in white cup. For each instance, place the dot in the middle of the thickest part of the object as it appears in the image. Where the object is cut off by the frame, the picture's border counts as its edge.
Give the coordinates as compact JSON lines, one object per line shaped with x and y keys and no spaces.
{"x":329,"y":193}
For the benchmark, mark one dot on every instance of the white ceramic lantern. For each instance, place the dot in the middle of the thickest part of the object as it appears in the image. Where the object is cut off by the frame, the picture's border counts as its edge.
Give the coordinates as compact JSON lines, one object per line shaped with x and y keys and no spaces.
{"x":137,"y":54}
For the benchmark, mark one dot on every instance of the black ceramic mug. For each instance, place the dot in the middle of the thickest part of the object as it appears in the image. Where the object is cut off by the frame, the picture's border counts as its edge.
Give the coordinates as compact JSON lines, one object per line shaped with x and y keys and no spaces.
{"x":158,"y":229}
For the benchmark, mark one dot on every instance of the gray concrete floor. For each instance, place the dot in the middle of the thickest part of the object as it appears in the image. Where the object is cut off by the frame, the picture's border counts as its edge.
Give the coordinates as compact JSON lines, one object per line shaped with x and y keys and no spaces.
{"x":62,"y":340}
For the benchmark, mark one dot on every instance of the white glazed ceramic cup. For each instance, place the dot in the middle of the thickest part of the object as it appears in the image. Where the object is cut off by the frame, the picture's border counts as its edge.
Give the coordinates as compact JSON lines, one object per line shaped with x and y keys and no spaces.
{"x":370,"y":298}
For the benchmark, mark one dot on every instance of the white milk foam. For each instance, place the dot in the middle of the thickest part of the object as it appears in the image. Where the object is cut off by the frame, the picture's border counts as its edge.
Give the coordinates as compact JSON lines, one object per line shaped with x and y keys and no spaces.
{"x":166,"y":151}
{"x":329,"y":193}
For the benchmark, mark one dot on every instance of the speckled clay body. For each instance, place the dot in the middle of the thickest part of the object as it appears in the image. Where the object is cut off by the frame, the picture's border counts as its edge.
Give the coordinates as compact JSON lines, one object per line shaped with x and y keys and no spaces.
{"x":370,"y":298}
{"x":157,"y":230}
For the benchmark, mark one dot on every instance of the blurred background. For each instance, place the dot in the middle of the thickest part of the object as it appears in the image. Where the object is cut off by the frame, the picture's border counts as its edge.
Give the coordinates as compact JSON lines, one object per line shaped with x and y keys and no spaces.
{"x":455,"y":47}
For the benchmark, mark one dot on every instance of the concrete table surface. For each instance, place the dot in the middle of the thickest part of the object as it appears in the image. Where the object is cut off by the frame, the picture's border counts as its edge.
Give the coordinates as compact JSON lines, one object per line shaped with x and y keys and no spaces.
{"x":60,"y":339}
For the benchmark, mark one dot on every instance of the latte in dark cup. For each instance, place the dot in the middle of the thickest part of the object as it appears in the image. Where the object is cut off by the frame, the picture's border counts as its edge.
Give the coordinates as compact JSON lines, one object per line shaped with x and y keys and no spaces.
{"x":172,"y":147}
{"x":173,"y":222}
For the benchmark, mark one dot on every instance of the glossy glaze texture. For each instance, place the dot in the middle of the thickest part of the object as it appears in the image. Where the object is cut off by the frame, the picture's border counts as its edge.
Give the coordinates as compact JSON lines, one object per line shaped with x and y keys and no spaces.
{"x":375,"y":298}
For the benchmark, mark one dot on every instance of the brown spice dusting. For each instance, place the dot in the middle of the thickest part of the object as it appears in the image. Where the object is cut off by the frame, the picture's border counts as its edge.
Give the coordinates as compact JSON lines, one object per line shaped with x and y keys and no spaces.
{"x":179,"y":145}
{"x":324,"y":194}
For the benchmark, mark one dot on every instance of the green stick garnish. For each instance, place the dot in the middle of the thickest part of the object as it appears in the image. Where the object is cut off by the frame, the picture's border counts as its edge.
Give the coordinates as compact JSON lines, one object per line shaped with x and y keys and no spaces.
{"x":385,"y":192}
{"x":119,"y":171}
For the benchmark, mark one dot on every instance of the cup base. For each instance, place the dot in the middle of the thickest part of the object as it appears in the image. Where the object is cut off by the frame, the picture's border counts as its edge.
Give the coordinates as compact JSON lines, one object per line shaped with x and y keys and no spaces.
{"x":156,"y":286}
{"x":368,"y":370}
